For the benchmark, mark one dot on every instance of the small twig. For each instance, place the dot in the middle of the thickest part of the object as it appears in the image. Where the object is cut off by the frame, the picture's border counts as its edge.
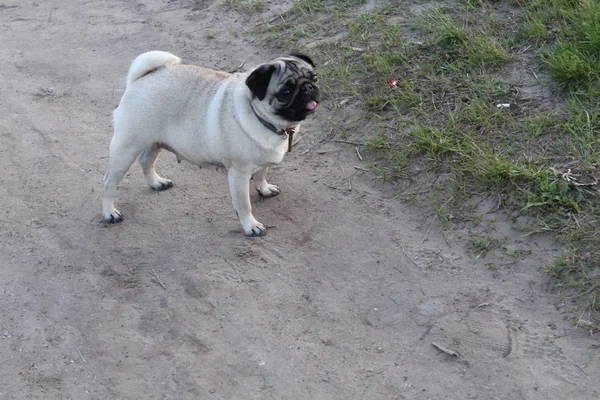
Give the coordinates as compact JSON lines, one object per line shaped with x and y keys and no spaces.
{"x":348,"y":142}
{"x":433,"y":102}
{"x":534,"y":74}
{"x":269,"y":22}
{"x":580,"y":367}
{"x":429,"y":230}
{"x":238,"y":67}
{"x":483,"y":305}
{"x":406,"y":254}
{"x":371,"y":373}
{"x":588,"y":361}
{"x":155,"y":275}
{"x":574,"y":363}
{"x":445,"y":238}
{"x":521,"y":51}
{"x":168,"y":9}
{"x":361,"y":169}
{"x":140,"y":21}
{"x":345,"y":176}
{"x":588,"y":119}
{"x":81,"y":355}
{"x":344,"y":172}
{"x":416,"y":193}
{"x":585,"y":324}
{"x":571,"y":177}
{"x":358,"y":153}
{"x":397,"y":269}
{"x":559,"y":349}
{"x":445,"y":350}
{"x":427,"y":233}
{"x":344,"y":101}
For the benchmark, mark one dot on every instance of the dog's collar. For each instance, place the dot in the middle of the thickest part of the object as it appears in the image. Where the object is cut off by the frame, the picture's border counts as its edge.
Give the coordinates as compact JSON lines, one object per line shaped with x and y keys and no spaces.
{"x":269,"y":125}
{"x":280,"y":132}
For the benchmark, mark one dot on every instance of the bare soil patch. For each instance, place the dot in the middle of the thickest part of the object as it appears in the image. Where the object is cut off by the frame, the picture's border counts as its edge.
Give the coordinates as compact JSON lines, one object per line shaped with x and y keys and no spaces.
{"x":342,"y":300}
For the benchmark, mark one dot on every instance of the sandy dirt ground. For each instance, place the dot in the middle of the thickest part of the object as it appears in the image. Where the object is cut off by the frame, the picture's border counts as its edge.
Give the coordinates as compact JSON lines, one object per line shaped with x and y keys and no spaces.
{"x":342,"y":300}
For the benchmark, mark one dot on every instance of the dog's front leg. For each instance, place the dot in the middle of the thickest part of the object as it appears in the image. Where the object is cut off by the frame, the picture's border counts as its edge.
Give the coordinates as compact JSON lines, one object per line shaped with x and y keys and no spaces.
{"x":240,"y":194}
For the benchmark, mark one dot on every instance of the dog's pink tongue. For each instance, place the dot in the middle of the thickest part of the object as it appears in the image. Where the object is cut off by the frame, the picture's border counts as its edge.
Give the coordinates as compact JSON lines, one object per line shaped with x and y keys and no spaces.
{"x":312,"y":105}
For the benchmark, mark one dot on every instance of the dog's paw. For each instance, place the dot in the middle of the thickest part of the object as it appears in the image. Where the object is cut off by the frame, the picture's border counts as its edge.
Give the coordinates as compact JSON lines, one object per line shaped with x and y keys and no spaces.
{"x":268,"y":191}
{"x":256,"y":229}
{"x":161,"y":184}
{"x":113,"y":217}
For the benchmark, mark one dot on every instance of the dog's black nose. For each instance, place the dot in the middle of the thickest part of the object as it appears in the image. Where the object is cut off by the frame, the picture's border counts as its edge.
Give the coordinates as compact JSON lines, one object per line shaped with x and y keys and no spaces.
{"x":308,"y":88}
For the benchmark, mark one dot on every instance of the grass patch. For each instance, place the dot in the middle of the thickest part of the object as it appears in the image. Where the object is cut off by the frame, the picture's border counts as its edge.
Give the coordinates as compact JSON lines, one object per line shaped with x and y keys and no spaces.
{"x":570,"y":34}
{"x":481,"y":245}
{"x":424,"y":86}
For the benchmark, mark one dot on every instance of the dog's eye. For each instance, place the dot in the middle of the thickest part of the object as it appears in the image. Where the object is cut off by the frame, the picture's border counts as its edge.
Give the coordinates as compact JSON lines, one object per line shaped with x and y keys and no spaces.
{"x":285,"y":92}
{"x":314,"y":78}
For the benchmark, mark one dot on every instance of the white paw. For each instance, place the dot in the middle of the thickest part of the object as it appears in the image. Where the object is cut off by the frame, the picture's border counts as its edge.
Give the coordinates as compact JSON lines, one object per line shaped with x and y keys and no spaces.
{"x":113,"y":217}
{"x":161,"y":184}
{"x":254,"y":229}
{"x":268,"y":190}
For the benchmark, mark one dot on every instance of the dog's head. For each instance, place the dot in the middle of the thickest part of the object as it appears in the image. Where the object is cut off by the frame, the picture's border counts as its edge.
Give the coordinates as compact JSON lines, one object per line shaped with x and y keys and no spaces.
{"x":285,"y":90}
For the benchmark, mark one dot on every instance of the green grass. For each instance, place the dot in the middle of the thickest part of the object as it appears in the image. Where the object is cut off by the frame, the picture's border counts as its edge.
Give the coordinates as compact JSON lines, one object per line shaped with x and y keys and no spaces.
{"x":570,"y":34}
{"x":481,"y":245}
{"x":443,"y":113}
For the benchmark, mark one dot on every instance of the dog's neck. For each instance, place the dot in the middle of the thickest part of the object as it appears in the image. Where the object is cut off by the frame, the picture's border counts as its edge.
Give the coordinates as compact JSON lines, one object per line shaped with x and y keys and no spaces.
{"x":280,"y":132}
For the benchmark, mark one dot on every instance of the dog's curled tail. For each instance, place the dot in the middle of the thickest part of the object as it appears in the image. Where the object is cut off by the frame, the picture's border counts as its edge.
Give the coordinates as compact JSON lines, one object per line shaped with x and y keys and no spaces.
{"x":148,"y":62}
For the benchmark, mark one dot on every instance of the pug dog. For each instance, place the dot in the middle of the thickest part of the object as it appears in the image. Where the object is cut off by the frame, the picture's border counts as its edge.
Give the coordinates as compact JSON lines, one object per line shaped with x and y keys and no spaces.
{"x":242,"y":121}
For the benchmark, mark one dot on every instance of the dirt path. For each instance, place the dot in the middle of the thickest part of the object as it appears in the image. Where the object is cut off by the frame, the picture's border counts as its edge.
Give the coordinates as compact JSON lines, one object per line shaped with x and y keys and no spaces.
{"x":342,"y":300}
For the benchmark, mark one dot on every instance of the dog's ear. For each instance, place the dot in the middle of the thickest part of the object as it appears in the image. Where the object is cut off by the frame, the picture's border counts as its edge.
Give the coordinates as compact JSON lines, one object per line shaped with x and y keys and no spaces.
{"x":258,"y":80}
{"x":304,"y":58}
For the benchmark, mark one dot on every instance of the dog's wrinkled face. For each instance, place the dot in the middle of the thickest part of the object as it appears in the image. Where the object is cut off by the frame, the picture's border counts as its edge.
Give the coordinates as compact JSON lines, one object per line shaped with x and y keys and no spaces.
{"x":286,"y":88}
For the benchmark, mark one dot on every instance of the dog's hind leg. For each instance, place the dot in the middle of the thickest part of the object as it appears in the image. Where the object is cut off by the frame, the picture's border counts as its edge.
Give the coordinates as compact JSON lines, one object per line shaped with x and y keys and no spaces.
{"x":147,"y":160}
{"x":264,"y":188}
{"x":122,"y":155}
